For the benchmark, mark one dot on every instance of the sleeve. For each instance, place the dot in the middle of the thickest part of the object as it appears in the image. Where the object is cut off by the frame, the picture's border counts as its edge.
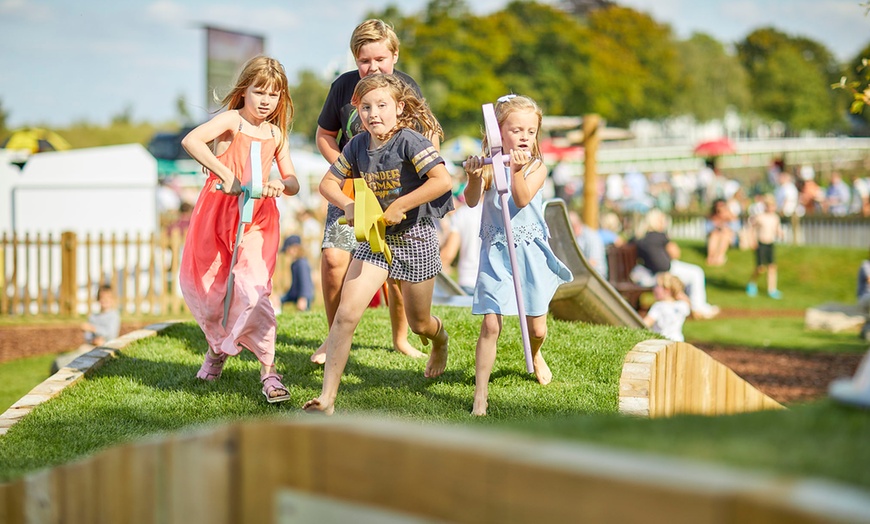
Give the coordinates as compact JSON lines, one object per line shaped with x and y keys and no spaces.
{"x":330,"y":117}
{"x":422,"y":153}
{"x":342,"y":166}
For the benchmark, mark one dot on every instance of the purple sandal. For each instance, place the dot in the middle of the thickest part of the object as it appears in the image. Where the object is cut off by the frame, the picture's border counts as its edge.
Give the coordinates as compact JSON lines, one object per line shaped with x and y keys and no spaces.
{"x":212,"y":366}
{"x":272,"y":383}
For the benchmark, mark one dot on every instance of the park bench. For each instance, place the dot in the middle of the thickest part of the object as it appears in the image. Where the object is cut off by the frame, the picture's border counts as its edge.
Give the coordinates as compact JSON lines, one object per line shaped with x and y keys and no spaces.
{"x":620,"y":261}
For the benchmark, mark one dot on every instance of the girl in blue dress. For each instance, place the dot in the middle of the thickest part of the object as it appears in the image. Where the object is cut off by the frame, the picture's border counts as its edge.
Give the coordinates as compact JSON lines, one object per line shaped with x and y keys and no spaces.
{"x":519,"y":119}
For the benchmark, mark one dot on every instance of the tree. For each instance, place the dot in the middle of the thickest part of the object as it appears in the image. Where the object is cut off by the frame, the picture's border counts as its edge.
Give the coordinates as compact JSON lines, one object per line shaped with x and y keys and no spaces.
{"x":182,"y":111}
{"x":308,"y":96}
{"x":637,"y":37}
{"x":789,"y":79}
{"x":4,"y":118}
{"x":713,"y":79}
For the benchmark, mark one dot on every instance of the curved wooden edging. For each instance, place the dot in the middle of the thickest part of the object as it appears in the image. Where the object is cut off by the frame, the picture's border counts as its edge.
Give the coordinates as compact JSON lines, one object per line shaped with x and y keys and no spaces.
{"x":661,"y":378}
{"x":72,"y":373}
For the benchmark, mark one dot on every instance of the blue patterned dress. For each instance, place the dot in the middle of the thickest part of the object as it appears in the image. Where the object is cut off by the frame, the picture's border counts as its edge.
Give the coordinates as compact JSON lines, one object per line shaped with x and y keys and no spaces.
{"x":541,"y":271}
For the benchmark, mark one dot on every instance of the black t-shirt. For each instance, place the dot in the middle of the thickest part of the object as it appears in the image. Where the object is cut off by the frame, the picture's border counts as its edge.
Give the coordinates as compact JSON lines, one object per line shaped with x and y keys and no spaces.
{"x":651,"y":251}
{"x":394,"y":169}
{"x":339,"y":115}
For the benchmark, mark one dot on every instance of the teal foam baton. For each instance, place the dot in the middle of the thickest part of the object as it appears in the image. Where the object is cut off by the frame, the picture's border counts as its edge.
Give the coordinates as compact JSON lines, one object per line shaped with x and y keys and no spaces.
{"x":497,"y":159}
{"x":250,"y":191}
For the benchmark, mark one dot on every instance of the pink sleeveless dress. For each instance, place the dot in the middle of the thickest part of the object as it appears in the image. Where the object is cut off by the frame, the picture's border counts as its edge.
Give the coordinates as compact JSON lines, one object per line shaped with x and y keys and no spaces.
{"x":208,"y":252}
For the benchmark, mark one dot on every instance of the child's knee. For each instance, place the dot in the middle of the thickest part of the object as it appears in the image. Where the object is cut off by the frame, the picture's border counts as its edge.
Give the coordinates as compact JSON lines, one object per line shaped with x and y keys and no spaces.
{"x":538,"y":331}
{"x":490,"y":326}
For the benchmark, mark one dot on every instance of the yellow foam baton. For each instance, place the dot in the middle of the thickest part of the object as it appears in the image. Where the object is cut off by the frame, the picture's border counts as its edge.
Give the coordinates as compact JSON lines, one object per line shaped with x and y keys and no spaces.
{"x":368,"y":219}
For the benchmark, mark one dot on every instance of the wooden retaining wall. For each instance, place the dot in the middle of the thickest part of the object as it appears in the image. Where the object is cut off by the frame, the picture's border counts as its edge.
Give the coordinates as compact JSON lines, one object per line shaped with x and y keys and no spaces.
{"x":662,"y":378}
{"x":367,"y":470}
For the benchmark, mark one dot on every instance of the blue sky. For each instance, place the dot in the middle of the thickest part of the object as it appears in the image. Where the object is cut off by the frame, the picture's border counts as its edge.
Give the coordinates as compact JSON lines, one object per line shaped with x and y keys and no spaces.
{"x":88,"y":60}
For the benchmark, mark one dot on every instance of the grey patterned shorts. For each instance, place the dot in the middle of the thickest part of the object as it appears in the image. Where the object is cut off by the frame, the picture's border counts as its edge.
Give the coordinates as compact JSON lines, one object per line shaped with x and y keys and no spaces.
{"x":337,"y":235}
{"x":415,"y":252}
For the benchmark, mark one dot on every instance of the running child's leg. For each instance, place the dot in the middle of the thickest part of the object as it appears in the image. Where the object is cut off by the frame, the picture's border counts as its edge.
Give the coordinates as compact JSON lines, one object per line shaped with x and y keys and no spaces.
{"x":398,"y":320}
{"x":537,"y":334}
{"x":333,"y":268}
{"x":418,"y":309}
{"x":363,"y":280}
{"x":484,"y":360}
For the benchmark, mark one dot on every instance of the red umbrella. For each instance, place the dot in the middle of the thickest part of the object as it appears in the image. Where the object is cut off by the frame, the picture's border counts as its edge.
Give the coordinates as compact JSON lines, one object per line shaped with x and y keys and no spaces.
{"x":722,"y":146}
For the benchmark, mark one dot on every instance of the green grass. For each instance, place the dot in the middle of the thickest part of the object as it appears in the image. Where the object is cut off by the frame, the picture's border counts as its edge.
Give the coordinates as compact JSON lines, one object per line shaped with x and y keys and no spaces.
{"x":19,"y":376}
{"x":150,"y":388}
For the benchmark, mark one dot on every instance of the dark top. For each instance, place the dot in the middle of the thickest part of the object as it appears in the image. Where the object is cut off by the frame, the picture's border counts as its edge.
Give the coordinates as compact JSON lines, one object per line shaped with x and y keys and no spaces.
{"x":339,"y":115}
{"x":300,"y":284}
{"x":394,"y":169}
{"x":651,"y":252}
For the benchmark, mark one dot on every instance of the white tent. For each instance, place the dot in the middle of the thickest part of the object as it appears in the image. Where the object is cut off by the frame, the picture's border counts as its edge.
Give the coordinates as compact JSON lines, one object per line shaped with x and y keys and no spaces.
{"x":95,"y":190}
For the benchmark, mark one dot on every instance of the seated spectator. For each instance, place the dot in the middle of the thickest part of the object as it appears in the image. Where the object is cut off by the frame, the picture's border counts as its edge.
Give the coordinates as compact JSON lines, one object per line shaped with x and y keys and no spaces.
{"x":106,"y":325}
{"x":611,"y":230}
{"x":657,"y":253}
{"x":864,"y":296}
{"x":722,"y":227}
{"x":671,"y":308}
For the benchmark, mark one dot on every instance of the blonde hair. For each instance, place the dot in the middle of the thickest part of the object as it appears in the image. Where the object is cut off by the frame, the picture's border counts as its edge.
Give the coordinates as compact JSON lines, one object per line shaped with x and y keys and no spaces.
{"x":655,"y":220}
{"x":670,"y":283}
{"x":416,"y":115}
{"x":370,"y":32}
{"x":262,"y":71}
{"x":506,"y":106}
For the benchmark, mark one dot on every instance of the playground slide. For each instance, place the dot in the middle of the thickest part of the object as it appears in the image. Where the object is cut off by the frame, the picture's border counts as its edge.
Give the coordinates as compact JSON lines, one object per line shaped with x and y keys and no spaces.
{"x":589,"y":297}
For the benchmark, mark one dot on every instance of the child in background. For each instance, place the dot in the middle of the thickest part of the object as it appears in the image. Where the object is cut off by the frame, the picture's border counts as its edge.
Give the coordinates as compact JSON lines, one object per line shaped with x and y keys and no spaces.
{"x":768,"y":230}
{"x":105,"y":325}
{"x":412,"y":184}
{"x":671,"y":307}
{"x":259,"y":109}
{"x":301,"y":292}
{"x":519,"y":119}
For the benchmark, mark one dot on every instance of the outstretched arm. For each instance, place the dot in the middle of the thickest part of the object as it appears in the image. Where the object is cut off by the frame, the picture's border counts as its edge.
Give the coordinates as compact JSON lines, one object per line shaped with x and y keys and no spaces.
{"x":437,"y":183}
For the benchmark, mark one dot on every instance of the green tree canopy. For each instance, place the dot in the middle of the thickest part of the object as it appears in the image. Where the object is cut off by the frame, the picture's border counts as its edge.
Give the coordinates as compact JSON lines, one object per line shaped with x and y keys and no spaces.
{"x":713,"y":80}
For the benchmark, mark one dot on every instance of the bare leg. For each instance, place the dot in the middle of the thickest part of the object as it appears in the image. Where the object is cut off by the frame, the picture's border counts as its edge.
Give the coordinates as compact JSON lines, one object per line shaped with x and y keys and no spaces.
{"x":771,"y":278}
{"x":362,"y":282}
{"x":333,"y":268}
{"x":418,"y":310}
{"x":537,"y":335}
{"x":398,"y":320}
{"x":484,"y":360}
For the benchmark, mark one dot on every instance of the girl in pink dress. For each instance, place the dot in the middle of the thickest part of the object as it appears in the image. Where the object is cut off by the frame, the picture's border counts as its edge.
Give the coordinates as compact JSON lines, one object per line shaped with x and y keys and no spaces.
{"x":259,"y":109}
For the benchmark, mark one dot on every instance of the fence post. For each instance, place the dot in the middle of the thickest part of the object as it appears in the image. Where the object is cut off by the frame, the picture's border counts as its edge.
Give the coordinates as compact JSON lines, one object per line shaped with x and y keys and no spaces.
{"x":68,"y":285}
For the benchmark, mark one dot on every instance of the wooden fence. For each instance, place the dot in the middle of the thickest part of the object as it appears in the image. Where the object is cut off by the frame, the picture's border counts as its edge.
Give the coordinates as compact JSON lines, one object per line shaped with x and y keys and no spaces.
{"x":59,"y":274}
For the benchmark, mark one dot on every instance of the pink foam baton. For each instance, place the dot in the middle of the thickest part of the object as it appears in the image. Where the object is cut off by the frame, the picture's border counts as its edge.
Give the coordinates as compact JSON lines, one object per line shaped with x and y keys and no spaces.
{"x":505,"y":158}
{"x":497,"y":159}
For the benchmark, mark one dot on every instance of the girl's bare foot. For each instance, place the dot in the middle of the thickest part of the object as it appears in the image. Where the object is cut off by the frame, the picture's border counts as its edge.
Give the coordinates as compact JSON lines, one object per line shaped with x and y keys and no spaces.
{"x":542,"y":370}
{"x":438,"y":357}
{"x":479,"y":407}
{"x":405,"y":348}
{"x":316,"y":407}
{"x":319,"y":356}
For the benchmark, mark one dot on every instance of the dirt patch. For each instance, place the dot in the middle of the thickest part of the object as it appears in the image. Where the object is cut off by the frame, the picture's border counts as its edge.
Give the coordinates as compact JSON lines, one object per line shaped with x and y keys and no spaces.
{"x":784,"y":375}
{"x":35,"y":340}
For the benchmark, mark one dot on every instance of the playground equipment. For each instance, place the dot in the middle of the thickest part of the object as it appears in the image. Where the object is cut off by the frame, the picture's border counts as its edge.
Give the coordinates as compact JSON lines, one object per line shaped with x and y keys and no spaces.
{"x":589,"y":297}
{"x":253,"y":189}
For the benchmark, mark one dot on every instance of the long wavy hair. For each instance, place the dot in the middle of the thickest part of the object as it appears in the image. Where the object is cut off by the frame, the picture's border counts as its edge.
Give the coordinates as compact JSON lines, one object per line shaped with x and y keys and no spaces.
{"x":268,"y":73}
{"x":416,"y":115}
{"x":504,"y":107}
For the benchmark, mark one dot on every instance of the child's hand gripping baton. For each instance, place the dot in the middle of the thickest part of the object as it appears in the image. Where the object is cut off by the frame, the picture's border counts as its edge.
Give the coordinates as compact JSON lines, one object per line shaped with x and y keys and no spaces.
{"x":368,"y":219}
{"x":497,"y":159}
{"x":253,"y":189}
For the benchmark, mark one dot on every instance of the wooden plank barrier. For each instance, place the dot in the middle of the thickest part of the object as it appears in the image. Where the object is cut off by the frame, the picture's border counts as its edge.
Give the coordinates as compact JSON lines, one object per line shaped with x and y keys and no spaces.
{"x":662,"y":378}
{"x":277,"y":471}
